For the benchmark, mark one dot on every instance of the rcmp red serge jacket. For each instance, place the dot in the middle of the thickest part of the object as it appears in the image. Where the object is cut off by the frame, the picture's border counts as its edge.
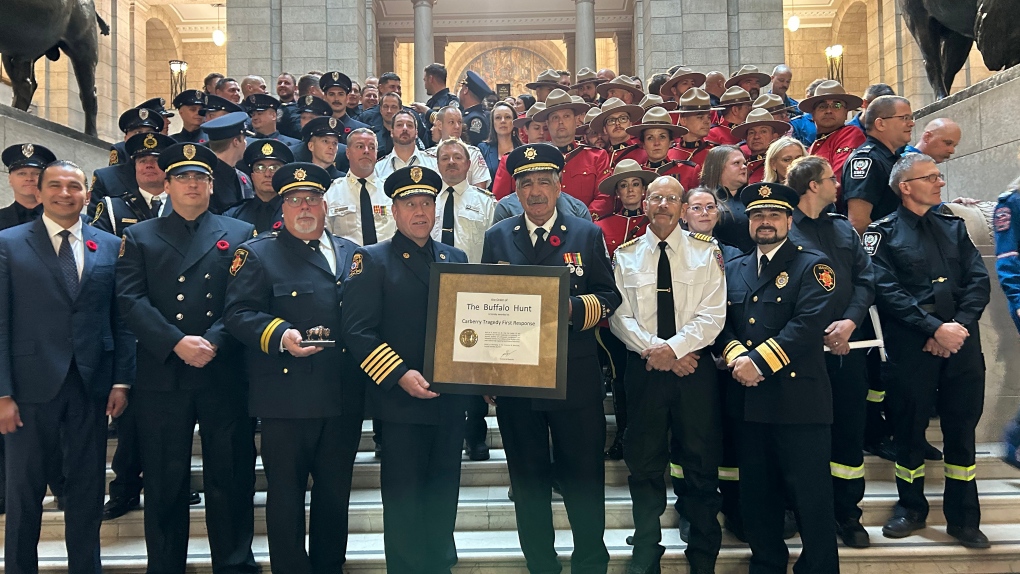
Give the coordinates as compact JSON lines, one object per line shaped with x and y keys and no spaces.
{"x":837,"y":146}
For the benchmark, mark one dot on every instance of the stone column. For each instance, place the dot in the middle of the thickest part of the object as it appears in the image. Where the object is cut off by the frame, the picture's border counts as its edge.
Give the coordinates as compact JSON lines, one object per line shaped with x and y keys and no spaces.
{"x":386,"y":48}
{"x":571,"y":43}
{"x":370,"y":45}
{"x":424,"y":45}
{"x":625,"y":53}
{"x":584,"y":29}
{"x":441,"y":42}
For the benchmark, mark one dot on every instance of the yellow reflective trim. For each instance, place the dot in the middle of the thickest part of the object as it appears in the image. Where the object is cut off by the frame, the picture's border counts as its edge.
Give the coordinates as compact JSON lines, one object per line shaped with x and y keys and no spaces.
{"x":372,"y":355}
{"x":846,"y":472}
{"x":964,"y":473}
{"x":733,"y":350}
{"x":908,"y":475}
{"x":779,"y":351}
{"x":676,"y":471}
{"x":267,"y":334}
{"x":729,"y":473}
{"x":875,"y":396}
{"x":770,"y":357}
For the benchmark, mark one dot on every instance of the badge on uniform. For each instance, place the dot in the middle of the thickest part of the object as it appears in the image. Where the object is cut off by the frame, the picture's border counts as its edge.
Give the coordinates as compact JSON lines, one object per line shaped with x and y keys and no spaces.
{"x":240,"y":256}
{"x":573,"y":261}
{"x":870,"y":240}
{"x":99,"y":213}
{"x":476,"y":125}
{"x":114,"y":158}
{"x":356,"y":266}
{"x":722,"y":264}
{"x":825,"y":276}
{"x":95,"y":178}
{"x":782,"y":280}
{"x":859,"y":167}
{"x":123,"y":244}
{"x":1002,"y":218}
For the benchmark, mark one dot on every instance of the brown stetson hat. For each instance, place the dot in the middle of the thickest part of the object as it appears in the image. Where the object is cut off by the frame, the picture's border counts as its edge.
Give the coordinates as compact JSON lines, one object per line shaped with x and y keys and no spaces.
{"x":758,"y":118}
{"x":586,"y":76}
{"x":626,"y":168}
{"x":829,"y":90}
{"x":529,"y":116}
{"x":657,"y":118}
{"x":560,"y":100}
{"x":680,"y":74}
{"x":747,"y":72}
{"x":623,"y":83}
{"x":614,"y":106}
{"x":696,"y":100}
{"x":734,"y":97}
{"x":652,"y":101}
{"x":547,"y":79}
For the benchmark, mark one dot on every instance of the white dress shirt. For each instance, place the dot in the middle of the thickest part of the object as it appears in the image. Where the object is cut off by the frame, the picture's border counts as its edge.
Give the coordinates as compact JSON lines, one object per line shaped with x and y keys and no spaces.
{"x":343,"y":209}
{"x":547,"y":226}
{"x":326,"y":248}
{"x":699,"y":292}
{"x":53,"y":229}
{"x":473,"y":211}
{"x":478,"y":171}
{"x":148,"y":197}
{"x":391,"y":163}
{"x":769,"y":255}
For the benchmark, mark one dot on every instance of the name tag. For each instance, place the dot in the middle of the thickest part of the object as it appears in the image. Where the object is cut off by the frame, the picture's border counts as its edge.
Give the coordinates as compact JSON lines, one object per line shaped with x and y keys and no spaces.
{"x":339,"y":210}
{"x":126,"y":220}
{"x":473,"y":208}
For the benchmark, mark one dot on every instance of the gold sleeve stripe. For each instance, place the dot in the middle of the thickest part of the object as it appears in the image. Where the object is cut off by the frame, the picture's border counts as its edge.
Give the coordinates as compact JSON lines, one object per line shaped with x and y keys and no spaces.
{"x":592,"y":311}
{"x":377,"y":365}
{"x":373,"y":355}
{"x":267,"y":334}
{"x":770,"y":357}
{"x":779,"y":351}
{"x":394,"y":364}
{"x":733,"y":350}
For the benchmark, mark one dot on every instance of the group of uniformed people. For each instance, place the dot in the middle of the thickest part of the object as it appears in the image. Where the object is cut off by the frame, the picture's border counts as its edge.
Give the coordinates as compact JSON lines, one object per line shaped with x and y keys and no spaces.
{"x":263,"y":280}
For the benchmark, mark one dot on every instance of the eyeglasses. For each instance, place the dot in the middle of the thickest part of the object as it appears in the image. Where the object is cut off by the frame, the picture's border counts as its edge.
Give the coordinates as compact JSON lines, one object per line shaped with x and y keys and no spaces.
{"x":310,"y":200}
{"x":263,"y":168}
{"x":831,"y":178}
{"x":191,"y":176}
{"x":830,"y":106}
{"x":930,"y":178}
{"x":618,"y":120}
{"x":904,"y":117}
{"x":662,"y":198}
{"x":709,"y":209}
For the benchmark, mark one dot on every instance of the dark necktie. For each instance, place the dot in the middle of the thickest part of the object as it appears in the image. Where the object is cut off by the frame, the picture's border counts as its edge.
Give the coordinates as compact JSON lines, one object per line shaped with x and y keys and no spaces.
{"x":664,"y":290}
{"x":191,"y":226}
{"x":448,"y":218}
{"x":154,"y":206}
{"x":941,"y":286}
{"x":539,"y":240}
{"x":367,"y":219}
{"x":67,"y":264}
{"x":762,"y":264}
{"x":314,"y":245}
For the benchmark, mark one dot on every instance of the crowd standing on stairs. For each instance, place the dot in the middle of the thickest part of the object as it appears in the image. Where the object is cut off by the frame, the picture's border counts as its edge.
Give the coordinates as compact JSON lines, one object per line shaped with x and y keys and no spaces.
{"x":769,"y":288}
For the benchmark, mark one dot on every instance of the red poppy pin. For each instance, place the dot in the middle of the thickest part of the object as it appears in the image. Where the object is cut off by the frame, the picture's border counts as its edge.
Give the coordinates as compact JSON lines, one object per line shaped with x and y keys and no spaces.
{"x":91,"y":245}
{"x":222,"y":245}
{"x":347,"y":130}
{"x":278,"y":225}
{"x":554,"y":240}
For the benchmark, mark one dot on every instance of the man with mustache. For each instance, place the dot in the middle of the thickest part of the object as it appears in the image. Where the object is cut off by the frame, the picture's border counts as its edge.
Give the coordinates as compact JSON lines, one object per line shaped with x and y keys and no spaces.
{"x":310,"y":398}
{"x":778,"y":306}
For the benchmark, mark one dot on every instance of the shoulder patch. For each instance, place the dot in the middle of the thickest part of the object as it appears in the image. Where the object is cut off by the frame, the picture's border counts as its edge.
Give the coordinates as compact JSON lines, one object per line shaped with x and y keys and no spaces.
{"x":476,"y":125}
{"x":859,"y":167}
{"x":123,"y":244}
{"x":701,"y":236}
{"x":95,"y":178}
{"x":835,"y":215}
{"x":99,"y":213}
{"x":240,"y":256}
{"x":870,"y":240}
{"x":825,"y":276}
{"x":1002,"y":218}
{"x":357,"y":265}
{"x":1006,"y":194}
{"x":114,"y":158}
{"x":719,"y":260}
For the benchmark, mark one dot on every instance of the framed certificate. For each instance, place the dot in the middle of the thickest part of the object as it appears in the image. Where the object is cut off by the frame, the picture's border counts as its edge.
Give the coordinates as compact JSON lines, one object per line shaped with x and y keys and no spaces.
{"x":498,"y":330}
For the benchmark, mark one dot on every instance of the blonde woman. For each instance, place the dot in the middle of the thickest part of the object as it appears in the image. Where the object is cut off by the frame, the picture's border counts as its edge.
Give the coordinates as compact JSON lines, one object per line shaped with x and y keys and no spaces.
{"x":780,"y":155}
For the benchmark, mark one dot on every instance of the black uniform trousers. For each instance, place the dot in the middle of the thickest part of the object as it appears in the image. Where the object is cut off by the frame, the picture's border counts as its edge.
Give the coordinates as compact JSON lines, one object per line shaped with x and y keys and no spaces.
{"x":420,"y":480}
{"x":613,"y":352}
{"x":879,"y":424}
{"x":690,"y":407}
{"x":293,"y":450}
{"x":166,"y":428}
{"x":475,"y":429}
{"x":848,"y":375}
{"x":76,"y":422}
{"x":54,"y":471}
{"x":578,"y":439}
{"x":790,"y":458}
{"x":916,"y":380}
{"x":127,"y":460}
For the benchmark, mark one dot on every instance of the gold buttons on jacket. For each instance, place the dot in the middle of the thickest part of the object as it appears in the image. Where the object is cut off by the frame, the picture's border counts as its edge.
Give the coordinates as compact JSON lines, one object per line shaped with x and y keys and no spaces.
{"x":285,"y":371}
{"x":755,"y":298}
{"x":751,"y":320}
{"x":779,"y":299}
{"x":792,"y":375}
{"x":180,"y":316}
{"x":208,"y":295}
{"x":749,"y":343}
{"x":180,"y":296}
{"x":293,"y":293}
{"x":180,"y":279}
{"x":208,"y":313}
{"x":207,"y":276}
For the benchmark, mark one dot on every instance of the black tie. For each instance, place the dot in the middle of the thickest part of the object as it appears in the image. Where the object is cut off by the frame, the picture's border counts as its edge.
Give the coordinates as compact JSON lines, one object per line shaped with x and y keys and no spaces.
{"x":367,"y":219}
{"x":314,"y":245}
{"x":942,"y":287}
{"x":67,"y":264}
{"x":154,"y":206}
{"x":539,"y":240}
{"x":762,"y":264}
{"x":664,"y":290}
{"x":448,"y":218}
{"x":191,"y":226}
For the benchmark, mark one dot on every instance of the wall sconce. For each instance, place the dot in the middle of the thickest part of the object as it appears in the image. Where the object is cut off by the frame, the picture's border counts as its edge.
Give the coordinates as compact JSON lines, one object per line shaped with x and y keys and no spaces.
{"x":834,"y":59}
{"x":178,"y":77}
{"x":793,"y":24}
{"x":219,"y":37}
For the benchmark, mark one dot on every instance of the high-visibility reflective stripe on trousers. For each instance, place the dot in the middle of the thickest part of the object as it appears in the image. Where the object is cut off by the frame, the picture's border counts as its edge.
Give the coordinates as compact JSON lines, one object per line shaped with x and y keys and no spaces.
{"x":875,"y":396}
{"x":965,"y":473}
{"x":908,"y":475}
{"x":846,"y":472}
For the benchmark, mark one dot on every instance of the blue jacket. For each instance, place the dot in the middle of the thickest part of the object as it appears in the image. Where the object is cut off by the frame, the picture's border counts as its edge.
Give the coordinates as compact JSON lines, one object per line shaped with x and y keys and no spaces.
{"x":42,"y":329}
{"x":1007,"y":250}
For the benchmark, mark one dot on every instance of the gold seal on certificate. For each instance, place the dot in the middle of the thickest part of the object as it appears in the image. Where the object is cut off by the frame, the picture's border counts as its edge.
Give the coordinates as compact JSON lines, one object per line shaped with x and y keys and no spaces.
{"x":468,"y":337}
{"x":500,"y":328}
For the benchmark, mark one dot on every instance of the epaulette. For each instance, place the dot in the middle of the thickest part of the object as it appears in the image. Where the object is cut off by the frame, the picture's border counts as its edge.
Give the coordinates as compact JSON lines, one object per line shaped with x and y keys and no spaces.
{"x":701,"y":236}
{"x":945,"y":215}
{"x":866,"y":147}
{"x":486,"y":192}
{"x":1006,"y":194}
{"x":628,"y":243}
{"x":875,"y":224}
{"x":262,"y":236}
{"x":835,"y":215}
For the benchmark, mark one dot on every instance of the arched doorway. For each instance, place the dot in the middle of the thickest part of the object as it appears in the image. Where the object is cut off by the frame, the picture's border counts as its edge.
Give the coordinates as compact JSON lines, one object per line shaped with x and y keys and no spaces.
{"x":514,"y":63}
{"x":851,"y":31}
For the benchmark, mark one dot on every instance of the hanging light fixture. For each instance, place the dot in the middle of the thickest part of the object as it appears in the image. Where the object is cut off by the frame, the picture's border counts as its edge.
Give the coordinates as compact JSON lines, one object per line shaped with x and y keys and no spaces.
{"x":794,"y":22}
{"x":219,"y":37}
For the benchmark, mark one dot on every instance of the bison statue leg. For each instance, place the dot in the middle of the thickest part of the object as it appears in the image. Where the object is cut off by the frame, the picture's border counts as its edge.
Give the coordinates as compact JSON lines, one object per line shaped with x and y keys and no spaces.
{"x":23,"y":84}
